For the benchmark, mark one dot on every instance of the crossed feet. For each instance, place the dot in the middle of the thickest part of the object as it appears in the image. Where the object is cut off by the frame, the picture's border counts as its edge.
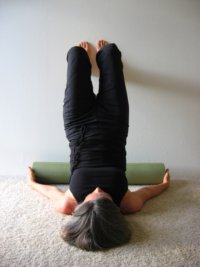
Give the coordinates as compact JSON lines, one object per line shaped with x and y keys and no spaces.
{"x":99,"y":45}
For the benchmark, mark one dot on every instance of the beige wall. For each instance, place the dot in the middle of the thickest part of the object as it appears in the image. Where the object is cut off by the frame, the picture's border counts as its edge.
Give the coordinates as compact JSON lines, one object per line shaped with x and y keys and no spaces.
{"x":160,"y":43}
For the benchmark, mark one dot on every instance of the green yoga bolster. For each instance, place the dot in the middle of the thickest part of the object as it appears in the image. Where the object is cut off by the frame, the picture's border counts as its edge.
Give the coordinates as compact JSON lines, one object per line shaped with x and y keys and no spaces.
{"x":136,"y":173}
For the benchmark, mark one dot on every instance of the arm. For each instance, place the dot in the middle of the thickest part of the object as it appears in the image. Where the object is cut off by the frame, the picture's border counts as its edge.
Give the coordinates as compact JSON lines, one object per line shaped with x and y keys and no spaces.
{"x":62,"y":202}
{"x":134,"y":201}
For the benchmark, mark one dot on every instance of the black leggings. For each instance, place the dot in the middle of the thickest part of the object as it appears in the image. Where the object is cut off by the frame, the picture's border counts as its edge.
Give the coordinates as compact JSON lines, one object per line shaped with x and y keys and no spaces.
{"x":106,"y":114}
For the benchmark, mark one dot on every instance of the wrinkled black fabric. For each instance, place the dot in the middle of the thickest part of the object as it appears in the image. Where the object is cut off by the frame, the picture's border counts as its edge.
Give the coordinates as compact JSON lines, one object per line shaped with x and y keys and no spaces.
{"x":96,"y":125}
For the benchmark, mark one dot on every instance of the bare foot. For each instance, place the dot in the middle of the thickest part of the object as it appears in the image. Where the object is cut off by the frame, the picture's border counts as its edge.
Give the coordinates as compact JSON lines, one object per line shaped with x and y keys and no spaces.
{"x":166,"y":178}
{"x":31,"y":176}
{"x":84,"y":45}
{"x":100,"y":44}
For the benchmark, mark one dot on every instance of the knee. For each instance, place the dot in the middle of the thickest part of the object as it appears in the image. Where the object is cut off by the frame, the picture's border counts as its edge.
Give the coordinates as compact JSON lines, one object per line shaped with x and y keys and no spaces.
{"x":76,"y":51}
{"x":111,"y":47}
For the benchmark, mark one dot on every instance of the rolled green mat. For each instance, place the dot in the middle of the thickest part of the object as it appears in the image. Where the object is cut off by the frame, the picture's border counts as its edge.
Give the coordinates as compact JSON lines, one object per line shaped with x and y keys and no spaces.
{"x":136,"y":173}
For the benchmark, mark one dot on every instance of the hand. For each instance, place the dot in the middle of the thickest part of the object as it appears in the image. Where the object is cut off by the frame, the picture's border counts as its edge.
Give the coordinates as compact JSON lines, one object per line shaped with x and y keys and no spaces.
{"x":31,"y":176}
{"x":166,"y":178}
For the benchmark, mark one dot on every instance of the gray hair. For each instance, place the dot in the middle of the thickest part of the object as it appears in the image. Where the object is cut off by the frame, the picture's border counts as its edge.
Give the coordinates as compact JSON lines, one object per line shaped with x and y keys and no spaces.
{"x":96,"y":225}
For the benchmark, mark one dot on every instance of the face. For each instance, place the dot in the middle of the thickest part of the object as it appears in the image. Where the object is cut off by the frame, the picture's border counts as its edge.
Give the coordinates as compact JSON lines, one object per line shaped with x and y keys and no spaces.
{"x":97,"y":193}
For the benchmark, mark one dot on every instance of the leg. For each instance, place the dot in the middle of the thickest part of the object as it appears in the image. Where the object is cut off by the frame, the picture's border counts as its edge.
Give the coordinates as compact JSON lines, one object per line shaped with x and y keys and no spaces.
{"x":112,"y":98}
{"x":79,"y":96}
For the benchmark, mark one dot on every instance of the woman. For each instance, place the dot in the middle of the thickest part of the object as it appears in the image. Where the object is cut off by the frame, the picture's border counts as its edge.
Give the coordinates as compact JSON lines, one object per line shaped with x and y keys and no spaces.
{"x":97,"y":127}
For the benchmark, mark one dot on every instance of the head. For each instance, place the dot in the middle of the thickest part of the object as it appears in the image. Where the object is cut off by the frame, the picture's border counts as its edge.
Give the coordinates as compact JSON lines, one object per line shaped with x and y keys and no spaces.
{"x":96,"y":224}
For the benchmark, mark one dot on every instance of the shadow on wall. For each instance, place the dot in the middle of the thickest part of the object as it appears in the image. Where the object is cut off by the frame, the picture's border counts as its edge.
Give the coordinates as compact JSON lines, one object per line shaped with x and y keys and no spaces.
{"x":154,"y":80}
{"x":149,"y":79}
{"x":95,"y":70}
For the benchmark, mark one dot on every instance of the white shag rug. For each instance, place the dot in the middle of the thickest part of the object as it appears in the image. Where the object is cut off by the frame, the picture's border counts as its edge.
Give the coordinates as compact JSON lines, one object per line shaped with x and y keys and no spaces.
{"x":165,"y":233}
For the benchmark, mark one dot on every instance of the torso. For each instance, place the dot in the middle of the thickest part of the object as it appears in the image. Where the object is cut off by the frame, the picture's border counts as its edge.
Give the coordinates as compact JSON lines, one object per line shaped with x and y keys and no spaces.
{"x":98,"y":159}
{"x":112,"y":180}
{"x":97,"y":144}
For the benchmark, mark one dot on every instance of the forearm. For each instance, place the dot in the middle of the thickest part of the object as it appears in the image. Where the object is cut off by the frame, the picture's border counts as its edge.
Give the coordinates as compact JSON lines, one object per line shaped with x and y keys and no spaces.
{"x":134,"y":201}
{"x":149,"y":192}
{"x":49,"y":191}
{"x":57,"y":198}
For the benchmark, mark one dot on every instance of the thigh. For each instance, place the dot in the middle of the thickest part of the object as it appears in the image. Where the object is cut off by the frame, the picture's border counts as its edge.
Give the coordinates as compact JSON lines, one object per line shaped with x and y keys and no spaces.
{"x":112,"y":99}
{"x":79,"y":96}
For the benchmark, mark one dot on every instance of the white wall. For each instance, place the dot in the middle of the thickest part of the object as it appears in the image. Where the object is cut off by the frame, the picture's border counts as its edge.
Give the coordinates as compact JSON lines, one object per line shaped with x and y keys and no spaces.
{"x":160,"y":43}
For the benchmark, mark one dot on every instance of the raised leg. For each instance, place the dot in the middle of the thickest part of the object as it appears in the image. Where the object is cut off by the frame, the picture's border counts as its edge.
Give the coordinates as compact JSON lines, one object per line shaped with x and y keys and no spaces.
{"x":79,"y":96}
{"x":112,"y":97}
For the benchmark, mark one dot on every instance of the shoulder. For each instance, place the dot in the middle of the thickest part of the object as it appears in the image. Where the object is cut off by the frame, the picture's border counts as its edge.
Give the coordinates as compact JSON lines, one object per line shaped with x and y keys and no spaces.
{"x":67,"y":204}
{"x":130,"y":203}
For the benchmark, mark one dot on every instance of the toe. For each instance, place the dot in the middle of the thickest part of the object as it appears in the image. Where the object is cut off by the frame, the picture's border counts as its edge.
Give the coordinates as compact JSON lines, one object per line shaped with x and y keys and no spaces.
{"x":85,"y":45}
{"x":100,"y":44}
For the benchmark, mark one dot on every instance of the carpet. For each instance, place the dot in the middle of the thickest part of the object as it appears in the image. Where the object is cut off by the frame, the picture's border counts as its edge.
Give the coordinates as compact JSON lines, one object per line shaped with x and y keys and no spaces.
{"x":165,"y":232}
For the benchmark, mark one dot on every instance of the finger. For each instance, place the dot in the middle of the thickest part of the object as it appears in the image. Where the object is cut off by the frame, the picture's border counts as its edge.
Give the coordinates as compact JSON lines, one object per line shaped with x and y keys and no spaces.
{"x":31,"y":170}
